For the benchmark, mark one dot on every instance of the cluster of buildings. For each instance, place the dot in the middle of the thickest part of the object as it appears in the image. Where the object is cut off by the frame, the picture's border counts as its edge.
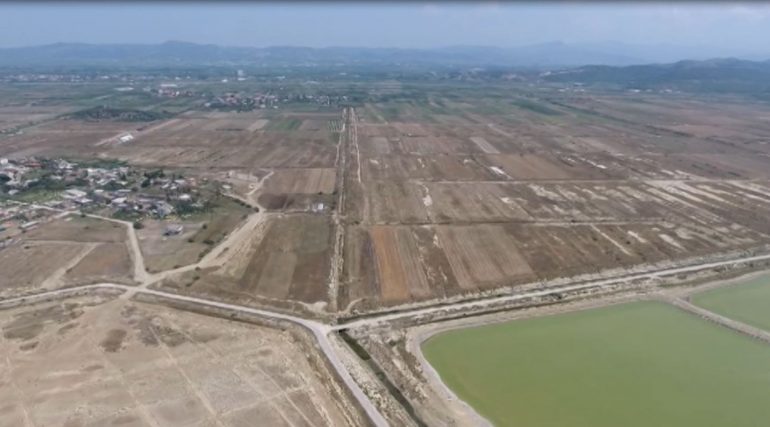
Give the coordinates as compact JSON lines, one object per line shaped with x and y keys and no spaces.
{"x":120,"y":190}
{"x":12,"y":173}
{"x":242,"y":102}
{"x":170,"y":90}
{"x":16,"y":219}
{"x":74,"y":77}
{"x":323,"y":100}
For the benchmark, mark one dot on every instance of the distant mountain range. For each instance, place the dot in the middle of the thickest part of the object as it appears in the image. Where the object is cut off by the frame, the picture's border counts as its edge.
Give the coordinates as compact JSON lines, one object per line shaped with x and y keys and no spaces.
{"x":547,"y":55}
{"x":728,"y":75}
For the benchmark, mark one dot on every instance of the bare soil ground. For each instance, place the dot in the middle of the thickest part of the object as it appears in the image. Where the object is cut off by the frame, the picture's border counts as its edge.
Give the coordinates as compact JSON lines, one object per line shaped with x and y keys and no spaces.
{"x":78,"y":229}
{"x":69,"y":250}
{"x":64,"y":138}
{"x":26,"y":266}
{"x":543,"y":188}
{"x":303,"y":181}
{"x":399,"y":273}
{"x":105,"y":263}
{"x":163,"y":252}
{"x":201,"y":233}
{"x":287,"y":259}
{"x":482,"y":256}
{"x":115,"y":362}
{"x":231,"y":141}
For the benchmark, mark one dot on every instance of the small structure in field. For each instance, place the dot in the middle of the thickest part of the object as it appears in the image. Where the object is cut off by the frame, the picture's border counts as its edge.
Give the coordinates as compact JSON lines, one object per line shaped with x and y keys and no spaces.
{"x":126,"y":138}
{"x":173,"y":229}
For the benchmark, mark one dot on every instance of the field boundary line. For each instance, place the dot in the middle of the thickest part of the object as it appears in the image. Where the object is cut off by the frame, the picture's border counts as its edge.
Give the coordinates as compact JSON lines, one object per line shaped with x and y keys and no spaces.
{"x":712,"y":317}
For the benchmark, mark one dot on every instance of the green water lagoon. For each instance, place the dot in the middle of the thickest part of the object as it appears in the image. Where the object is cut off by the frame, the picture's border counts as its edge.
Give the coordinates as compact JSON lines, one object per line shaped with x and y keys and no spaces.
{"x":637,"y":364}
{"x":747,"y":302}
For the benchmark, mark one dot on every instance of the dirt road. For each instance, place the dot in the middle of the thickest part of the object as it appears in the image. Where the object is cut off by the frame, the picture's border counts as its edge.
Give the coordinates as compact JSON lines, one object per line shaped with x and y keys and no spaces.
{"x":340,"y":162}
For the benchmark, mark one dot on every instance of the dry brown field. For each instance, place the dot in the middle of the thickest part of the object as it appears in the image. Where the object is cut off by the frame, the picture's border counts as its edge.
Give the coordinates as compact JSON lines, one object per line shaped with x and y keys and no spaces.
{"x":231,"y":140}
{"x":197,"y":140}
{"x":163,"y":252}
{"x":24,"y":115}
{"x":65,"y":137}
{"x":69,"y":250}
{"x":78,"y":229}
{"x":26,"y":266}
{"x":480,"y":258}
{"x":544,"y":188}
{"x":116,"y":362}
{"x":388,"y":265}
{"x":292,"y":261}
{"x":301,"y":181}
{"x":285,"y":260}
{"x":200,"y":234}
{"x":104,"y":263}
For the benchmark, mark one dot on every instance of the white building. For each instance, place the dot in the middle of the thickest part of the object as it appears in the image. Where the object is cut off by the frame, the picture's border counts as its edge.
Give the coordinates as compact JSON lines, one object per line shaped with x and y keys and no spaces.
{"x":73,"y":193}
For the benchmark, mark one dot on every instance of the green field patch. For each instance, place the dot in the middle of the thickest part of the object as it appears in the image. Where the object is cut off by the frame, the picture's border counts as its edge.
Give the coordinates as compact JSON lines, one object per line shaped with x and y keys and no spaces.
{"x":636,"y":364}
{"x":747,"y":302}
{"x":535,"y":107}
{"x":284,"y":124}
{"x":34,"y":196}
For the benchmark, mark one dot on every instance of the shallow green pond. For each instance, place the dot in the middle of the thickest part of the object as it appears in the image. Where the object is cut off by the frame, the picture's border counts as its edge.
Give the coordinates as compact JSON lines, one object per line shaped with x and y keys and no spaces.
{"x":747,"y":302}
{"x":640,"y":364}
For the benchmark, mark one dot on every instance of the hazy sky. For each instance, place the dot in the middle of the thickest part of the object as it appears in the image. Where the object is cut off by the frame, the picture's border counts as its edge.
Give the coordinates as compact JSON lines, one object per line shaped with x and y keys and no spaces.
{"x":745,"y":26}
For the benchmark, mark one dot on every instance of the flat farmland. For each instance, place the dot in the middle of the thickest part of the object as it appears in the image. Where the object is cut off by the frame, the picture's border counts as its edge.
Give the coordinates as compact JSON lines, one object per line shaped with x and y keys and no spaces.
{"x":114,"y":362}
{"x":301,"y":181}
{"x":399,"y":271}
{"x":733,"y":121}
{"x":292,"y":262}
{"x":299,"y":190}
{"x":564,"y":184}
{"x":396,"y":264}
{"x":12,"y":117}
{"x":387,"y":167}
{"x":70,"y":250}
{"x":66,"y":137}
{"x":479,"y":258}
{"x":27,"y":266}
{"x":105,"y":263}
{"x":284,"y":259}
{"x":449,"y":189}
{"x":634,"y":364}
{"x":232,"y":140}
{"x":79,"y":229}
{"x":193,"y":139}
{"x":592,"y":201}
